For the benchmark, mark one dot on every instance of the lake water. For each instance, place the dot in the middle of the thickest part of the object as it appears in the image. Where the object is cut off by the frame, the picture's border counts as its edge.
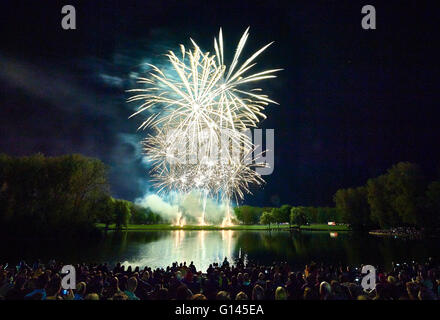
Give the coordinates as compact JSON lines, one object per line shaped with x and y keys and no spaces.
{"x":161,"y":248}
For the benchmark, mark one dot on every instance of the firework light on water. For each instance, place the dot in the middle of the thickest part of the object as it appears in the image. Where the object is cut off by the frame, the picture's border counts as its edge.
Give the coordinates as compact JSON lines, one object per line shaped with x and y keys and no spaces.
{"x":200,"y":120}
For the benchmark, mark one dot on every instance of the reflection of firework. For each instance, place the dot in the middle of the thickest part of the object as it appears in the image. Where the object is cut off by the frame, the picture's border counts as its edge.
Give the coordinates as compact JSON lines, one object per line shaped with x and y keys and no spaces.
{"x":199,"y":140}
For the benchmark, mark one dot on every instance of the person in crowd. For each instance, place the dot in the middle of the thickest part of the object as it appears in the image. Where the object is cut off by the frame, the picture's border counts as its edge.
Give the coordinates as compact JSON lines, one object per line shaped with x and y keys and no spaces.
{"x":280,"y":294}
{"x":325,"y":291}
{"x":198,"y":296}
{"x":258,"y":292}
{"x":91,"y":296}
{"x":223,"y":295}
{"x":112,"y":288}
{"x":54,"y":289}
{"x":131,"y":288}
{"x":80,"y":291}
{"x":183,"y":293}
{"x":40,"y":289}
{"x":241,"y":296}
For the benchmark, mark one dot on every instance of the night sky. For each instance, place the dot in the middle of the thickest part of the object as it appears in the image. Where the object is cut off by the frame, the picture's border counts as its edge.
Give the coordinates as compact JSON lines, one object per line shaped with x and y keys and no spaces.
{"x":352,"y":102}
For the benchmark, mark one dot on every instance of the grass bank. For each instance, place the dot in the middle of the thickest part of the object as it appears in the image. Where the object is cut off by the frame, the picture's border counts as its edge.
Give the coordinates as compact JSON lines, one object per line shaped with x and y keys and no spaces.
{"x":312,"y":227}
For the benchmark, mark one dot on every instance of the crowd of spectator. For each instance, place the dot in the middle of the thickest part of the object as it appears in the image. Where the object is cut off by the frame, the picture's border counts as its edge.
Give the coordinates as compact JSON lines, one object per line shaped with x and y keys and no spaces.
{"x":221,"y":281}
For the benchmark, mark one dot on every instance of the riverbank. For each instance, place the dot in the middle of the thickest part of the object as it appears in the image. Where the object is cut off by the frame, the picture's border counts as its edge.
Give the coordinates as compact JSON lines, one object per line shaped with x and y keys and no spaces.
{"x":398,"y":232}
{"x":146,"y":227}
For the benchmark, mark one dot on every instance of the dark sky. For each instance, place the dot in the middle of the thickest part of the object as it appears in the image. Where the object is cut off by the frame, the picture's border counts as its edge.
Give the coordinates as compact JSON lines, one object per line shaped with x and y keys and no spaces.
{"x":352,"y":102}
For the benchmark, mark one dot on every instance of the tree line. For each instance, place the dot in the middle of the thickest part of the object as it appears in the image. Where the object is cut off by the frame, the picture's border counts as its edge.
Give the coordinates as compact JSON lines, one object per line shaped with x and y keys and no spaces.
{"x":402,"y":197}
{"x":294,"y":215}
{"x":65,"y":195}
{"x":68,"y":195}
{"x":45,"y":196}
{"x":123,"y":212}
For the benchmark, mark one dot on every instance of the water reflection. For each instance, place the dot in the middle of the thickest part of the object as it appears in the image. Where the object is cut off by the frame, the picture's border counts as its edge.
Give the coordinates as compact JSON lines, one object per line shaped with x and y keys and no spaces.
{"x":201,"y":247}
{"x":298,"y":248}
{"x":227,"y":240}
{"x":162,"y":248}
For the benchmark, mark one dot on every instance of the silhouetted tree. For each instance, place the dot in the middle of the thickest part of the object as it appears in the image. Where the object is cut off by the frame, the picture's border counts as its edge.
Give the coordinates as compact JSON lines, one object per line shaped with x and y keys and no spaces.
{"x":285,"y":213}
{"x":122,"y":213}
{"x":106,"y":211}
{"x":267,"y":218}
{"x":50,"y":195}
{"x":298,"y":216}
{"x":353,"y":205}
{"x":406,"y":188}
{"x":277,"y":216}
{"x":433,"y":203}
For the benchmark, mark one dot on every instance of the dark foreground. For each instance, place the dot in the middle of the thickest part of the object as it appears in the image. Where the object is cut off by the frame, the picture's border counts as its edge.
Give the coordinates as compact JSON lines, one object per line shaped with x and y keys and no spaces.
{"x":407,"y":281}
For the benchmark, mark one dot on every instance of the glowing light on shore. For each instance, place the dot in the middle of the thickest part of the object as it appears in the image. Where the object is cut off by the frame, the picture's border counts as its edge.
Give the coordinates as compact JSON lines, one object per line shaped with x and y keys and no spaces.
{"x":180,"y":220}
{"x":204,"y":198}
{"x":227,"y":222}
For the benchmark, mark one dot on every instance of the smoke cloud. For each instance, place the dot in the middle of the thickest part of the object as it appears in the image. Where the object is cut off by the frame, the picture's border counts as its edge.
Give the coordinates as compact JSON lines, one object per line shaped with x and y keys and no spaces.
{"x":190,"y":206}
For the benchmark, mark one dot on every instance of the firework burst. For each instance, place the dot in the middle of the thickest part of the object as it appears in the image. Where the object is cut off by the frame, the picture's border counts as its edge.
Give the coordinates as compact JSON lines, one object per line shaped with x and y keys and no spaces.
{"x":199,"y":138}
